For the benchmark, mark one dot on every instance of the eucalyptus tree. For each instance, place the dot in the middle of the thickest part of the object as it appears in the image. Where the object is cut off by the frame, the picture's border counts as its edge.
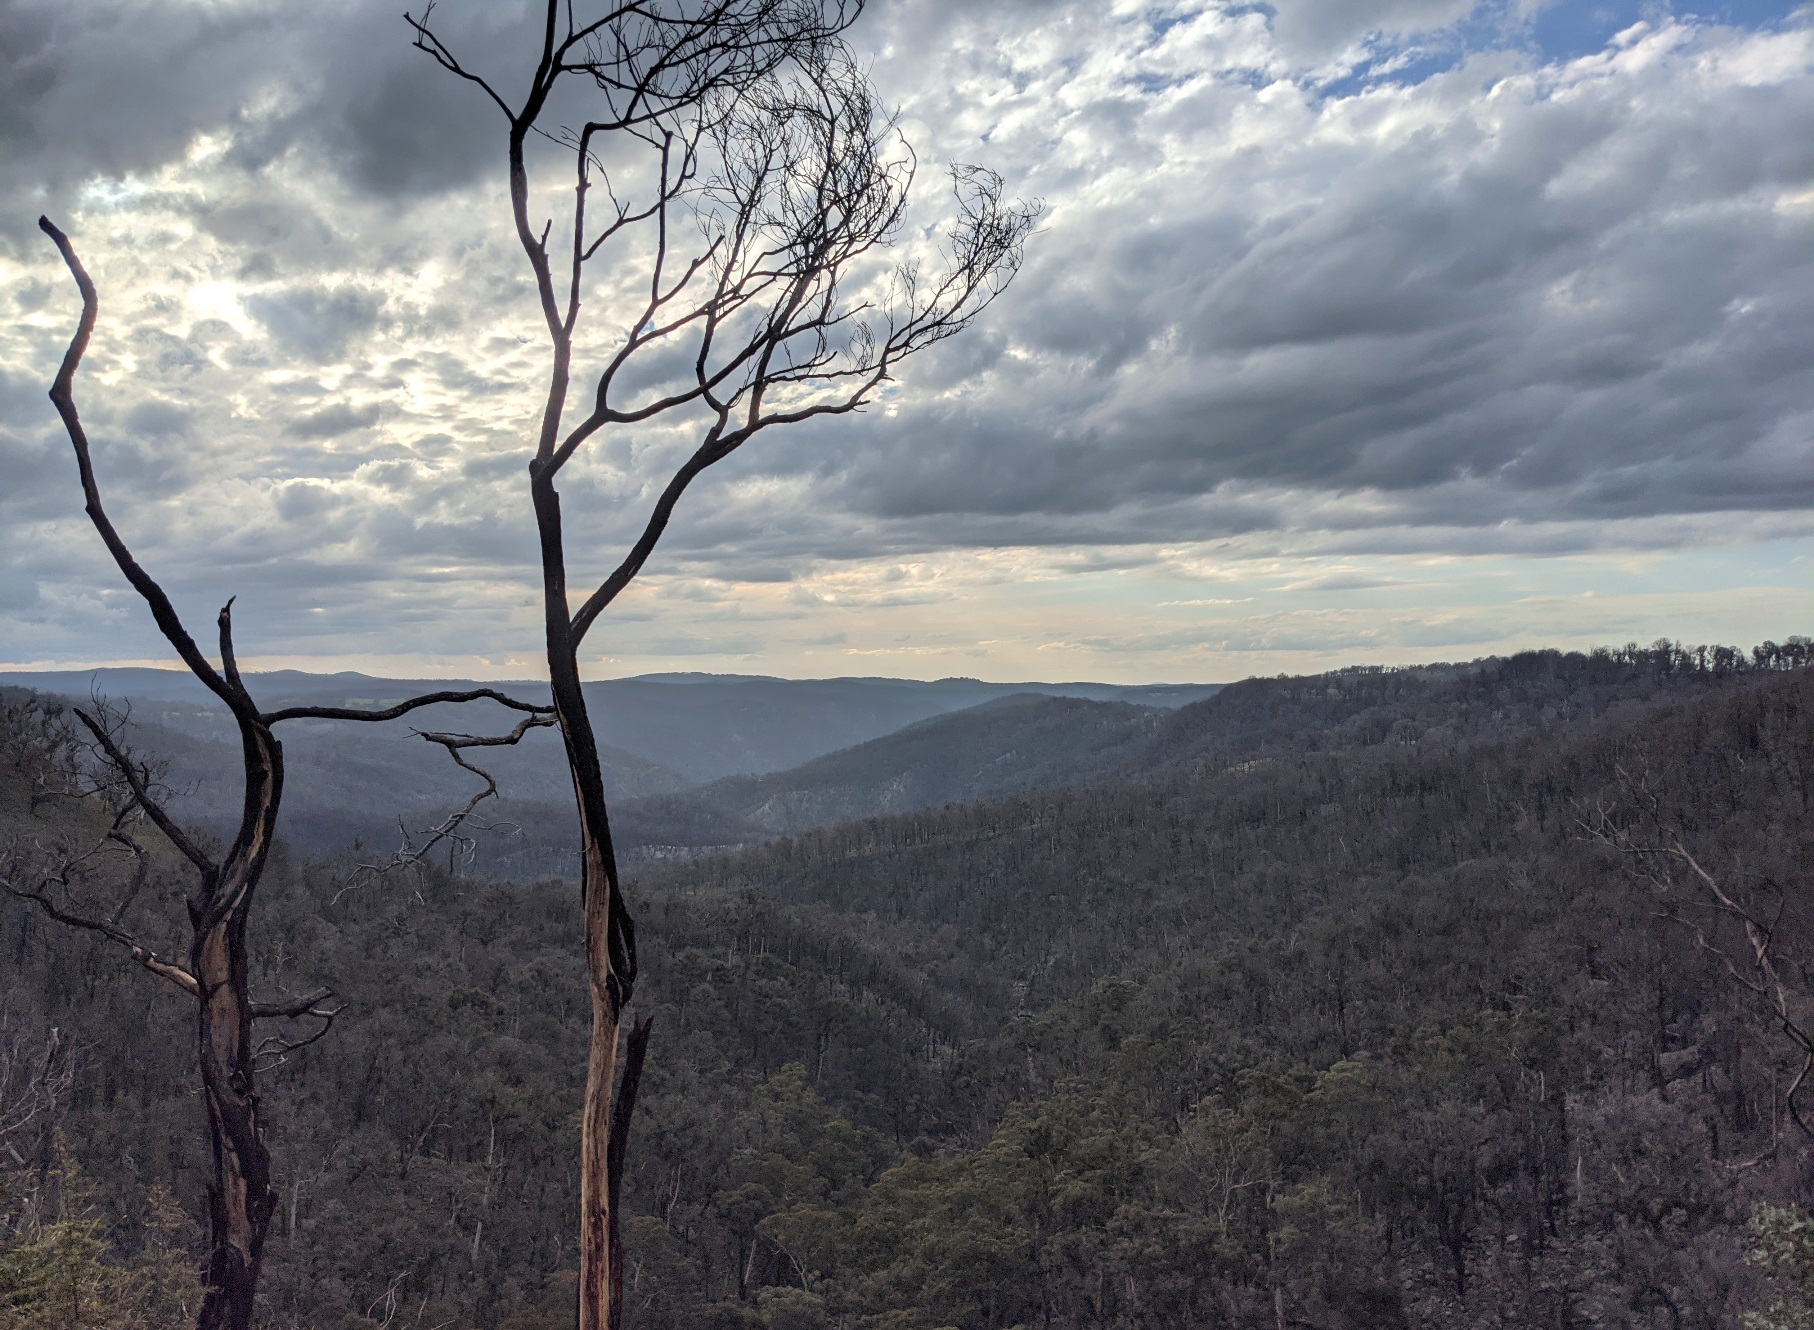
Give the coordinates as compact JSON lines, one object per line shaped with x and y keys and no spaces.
{"x":216,"y":973}
{"x":755,"y":194}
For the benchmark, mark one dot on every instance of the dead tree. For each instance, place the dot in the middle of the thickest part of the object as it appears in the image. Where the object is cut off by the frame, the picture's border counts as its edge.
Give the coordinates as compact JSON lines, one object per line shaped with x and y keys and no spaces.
{"x":240,"y":1197}
{"x":754,"y":193}
{"x":1737,"y":919}
{"x":35,"y":1073}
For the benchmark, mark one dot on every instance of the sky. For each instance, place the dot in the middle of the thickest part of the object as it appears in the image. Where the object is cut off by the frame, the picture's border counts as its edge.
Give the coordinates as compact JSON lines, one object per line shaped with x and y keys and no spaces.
{"x":1355,"y":331}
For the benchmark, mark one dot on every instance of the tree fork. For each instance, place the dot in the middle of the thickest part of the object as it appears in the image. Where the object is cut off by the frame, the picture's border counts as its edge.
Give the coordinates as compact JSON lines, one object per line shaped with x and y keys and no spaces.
{"x":777,"y":321}
{"x":241,"y":1201}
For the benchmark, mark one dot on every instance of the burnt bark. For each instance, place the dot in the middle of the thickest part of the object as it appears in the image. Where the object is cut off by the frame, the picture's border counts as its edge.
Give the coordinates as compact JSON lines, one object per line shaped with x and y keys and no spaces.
{"x":240,"y":1197}
{"x":622,"y":1110}
{"x":610,"y":936}
{"x":241,"y":1201}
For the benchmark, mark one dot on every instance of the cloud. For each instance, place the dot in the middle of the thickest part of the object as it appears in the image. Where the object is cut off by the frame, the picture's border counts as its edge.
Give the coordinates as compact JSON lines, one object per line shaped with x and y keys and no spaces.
{"x":159,"y":418}
{"x":1315,"y":31}
{"x":1571,"y":291}
{"x":331,"y":422}
{"x":314,"y":323}
{"x":1299,"y":287}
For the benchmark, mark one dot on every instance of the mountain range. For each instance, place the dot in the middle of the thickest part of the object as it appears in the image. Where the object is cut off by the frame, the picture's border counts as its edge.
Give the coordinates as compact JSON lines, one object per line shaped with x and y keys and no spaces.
{"x":691,"y":759}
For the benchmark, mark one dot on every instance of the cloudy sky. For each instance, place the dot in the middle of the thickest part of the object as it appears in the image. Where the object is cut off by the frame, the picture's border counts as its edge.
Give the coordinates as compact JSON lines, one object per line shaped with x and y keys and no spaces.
{"x":1356,"y":331}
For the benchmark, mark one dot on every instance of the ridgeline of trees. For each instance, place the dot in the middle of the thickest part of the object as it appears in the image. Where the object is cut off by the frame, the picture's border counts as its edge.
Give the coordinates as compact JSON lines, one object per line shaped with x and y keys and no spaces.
{"x":1371,"y":999}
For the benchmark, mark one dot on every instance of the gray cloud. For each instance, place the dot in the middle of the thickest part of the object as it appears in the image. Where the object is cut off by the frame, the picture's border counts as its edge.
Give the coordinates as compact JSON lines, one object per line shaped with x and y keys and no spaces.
{"x":314,"y":323}
{"x":330,"y":422}
{"x":338,"y":81}
{"x":1585,"y":291}
{"x":1507,"y":305}
{"x":159,"y":418}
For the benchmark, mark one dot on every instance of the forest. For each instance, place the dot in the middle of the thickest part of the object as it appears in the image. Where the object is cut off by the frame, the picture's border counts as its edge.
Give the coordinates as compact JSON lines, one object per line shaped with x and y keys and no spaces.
{"x":1454,"y":996}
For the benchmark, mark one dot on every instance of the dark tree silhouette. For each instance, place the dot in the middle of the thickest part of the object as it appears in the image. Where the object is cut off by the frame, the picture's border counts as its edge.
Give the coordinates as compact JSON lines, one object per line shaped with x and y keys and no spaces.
{"x":240,"y":1197}
{"x":758,"y":189}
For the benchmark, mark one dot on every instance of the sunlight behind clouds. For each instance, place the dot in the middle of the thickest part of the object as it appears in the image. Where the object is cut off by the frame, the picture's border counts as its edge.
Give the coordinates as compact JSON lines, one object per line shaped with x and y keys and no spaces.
{"x":1309,"y":301}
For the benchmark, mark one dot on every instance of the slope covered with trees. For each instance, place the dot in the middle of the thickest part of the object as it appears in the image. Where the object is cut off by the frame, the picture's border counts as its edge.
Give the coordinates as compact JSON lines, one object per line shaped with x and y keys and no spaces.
{"x":1021,"y":742}
{"x":1335,"y":1005}
{"x":745,"y":737}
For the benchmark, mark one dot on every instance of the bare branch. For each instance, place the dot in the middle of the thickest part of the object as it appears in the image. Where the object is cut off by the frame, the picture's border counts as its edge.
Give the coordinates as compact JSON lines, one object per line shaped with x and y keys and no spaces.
{"x":451,"y":829}
{"x":403,"y":708}
{"x":135,"y":777}
{"x":62,"y":394}
{"x":435,"y":47}
{"x":163,"y":969}
{"x":303,"y":1006}
{"x":277,"y":1048}
{"x":32,"y":1077}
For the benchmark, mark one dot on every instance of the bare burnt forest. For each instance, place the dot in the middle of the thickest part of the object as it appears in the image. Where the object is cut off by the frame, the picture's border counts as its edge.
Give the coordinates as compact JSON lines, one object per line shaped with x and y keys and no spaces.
{"x":1459,"y":996}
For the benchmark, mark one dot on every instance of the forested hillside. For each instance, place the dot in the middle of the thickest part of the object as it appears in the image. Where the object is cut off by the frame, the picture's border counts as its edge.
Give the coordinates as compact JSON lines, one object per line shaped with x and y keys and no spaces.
{"x":664,"y":734}
{"x":1343,"y":1001}
{"x":1025,"y":741}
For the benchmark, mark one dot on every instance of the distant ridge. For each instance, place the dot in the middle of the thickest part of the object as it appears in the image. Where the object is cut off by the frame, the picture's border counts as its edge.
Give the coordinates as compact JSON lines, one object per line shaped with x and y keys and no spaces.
{"x":663,"y":734}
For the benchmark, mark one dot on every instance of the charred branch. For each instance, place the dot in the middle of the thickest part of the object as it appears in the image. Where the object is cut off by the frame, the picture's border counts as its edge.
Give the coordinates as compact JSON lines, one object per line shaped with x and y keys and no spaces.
{"x":1658,"y":854}
{"x":451,"y":830}
{"x":143,"y":955}
{"x":136,"y":778}
{"x":289,"y":1011}
{"x":274,"y":1050}
{"x":403,"y":708}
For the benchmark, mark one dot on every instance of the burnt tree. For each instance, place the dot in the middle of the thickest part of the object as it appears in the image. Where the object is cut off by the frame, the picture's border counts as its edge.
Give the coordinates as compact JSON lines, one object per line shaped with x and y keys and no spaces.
{"x":215,"y":976}
{"x":755,"y":195}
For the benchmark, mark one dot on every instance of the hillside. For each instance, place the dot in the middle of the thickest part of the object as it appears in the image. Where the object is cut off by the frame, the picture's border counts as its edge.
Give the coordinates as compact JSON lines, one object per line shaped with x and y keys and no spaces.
{"x":351,"y":782}
{"x":1024,"y":741}
{"x":1334,"y":1013}
{"x":701,"y":727}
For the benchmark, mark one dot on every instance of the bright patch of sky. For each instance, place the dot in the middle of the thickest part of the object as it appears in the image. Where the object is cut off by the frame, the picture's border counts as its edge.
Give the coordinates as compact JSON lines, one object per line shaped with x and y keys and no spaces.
{"x":1565,"y":29}
{"x":1324,"y":355}
{"x":1406,"y":51}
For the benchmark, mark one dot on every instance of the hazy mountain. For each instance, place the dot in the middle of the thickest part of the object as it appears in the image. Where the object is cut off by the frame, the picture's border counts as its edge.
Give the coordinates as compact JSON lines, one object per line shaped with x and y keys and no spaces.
{"x":1021,"y":742}
{"x":663,"y":733}
{"x":709,"y":726}
{"x":348,"y":781}
{"x":699,"y":726}
{"x":375,"y":783}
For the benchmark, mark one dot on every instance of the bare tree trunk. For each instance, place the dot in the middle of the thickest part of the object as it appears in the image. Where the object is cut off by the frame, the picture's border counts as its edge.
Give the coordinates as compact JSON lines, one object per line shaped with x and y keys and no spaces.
{"x":637,"y":1048}
{"x":610,"y":936}
{"x":240,"y":1199}
{"x":595,"y":1281}
{"x":777,"y":334}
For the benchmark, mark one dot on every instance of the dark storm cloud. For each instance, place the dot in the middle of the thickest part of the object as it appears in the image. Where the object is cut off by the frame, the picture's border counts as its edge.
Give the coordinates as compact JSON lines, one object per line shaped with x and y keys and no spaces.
{"x":112,"y":88}
{"x":1585,"y":295}
{"x":410,"y":129}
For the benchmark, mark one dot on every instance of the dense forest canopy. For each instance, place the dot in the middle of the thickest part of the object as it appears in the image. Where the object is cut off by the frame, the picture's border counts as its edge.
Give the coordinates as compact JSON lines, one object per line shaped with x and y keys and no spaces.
{"x":1354,"y":1000}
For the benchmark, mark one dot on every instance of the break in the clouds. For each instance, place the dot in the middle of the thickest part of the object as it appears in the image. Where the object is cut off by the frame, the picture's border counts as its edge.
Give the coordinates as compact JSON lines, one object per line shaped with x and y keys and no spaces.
{"x":1367,"y":330}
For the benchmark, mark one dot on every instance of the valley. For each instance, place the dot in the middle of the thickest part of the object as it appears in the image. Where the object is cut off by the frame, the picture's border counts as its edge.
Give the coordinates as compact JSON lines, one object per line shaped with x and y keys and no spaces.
{"x":1327,"y":993}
